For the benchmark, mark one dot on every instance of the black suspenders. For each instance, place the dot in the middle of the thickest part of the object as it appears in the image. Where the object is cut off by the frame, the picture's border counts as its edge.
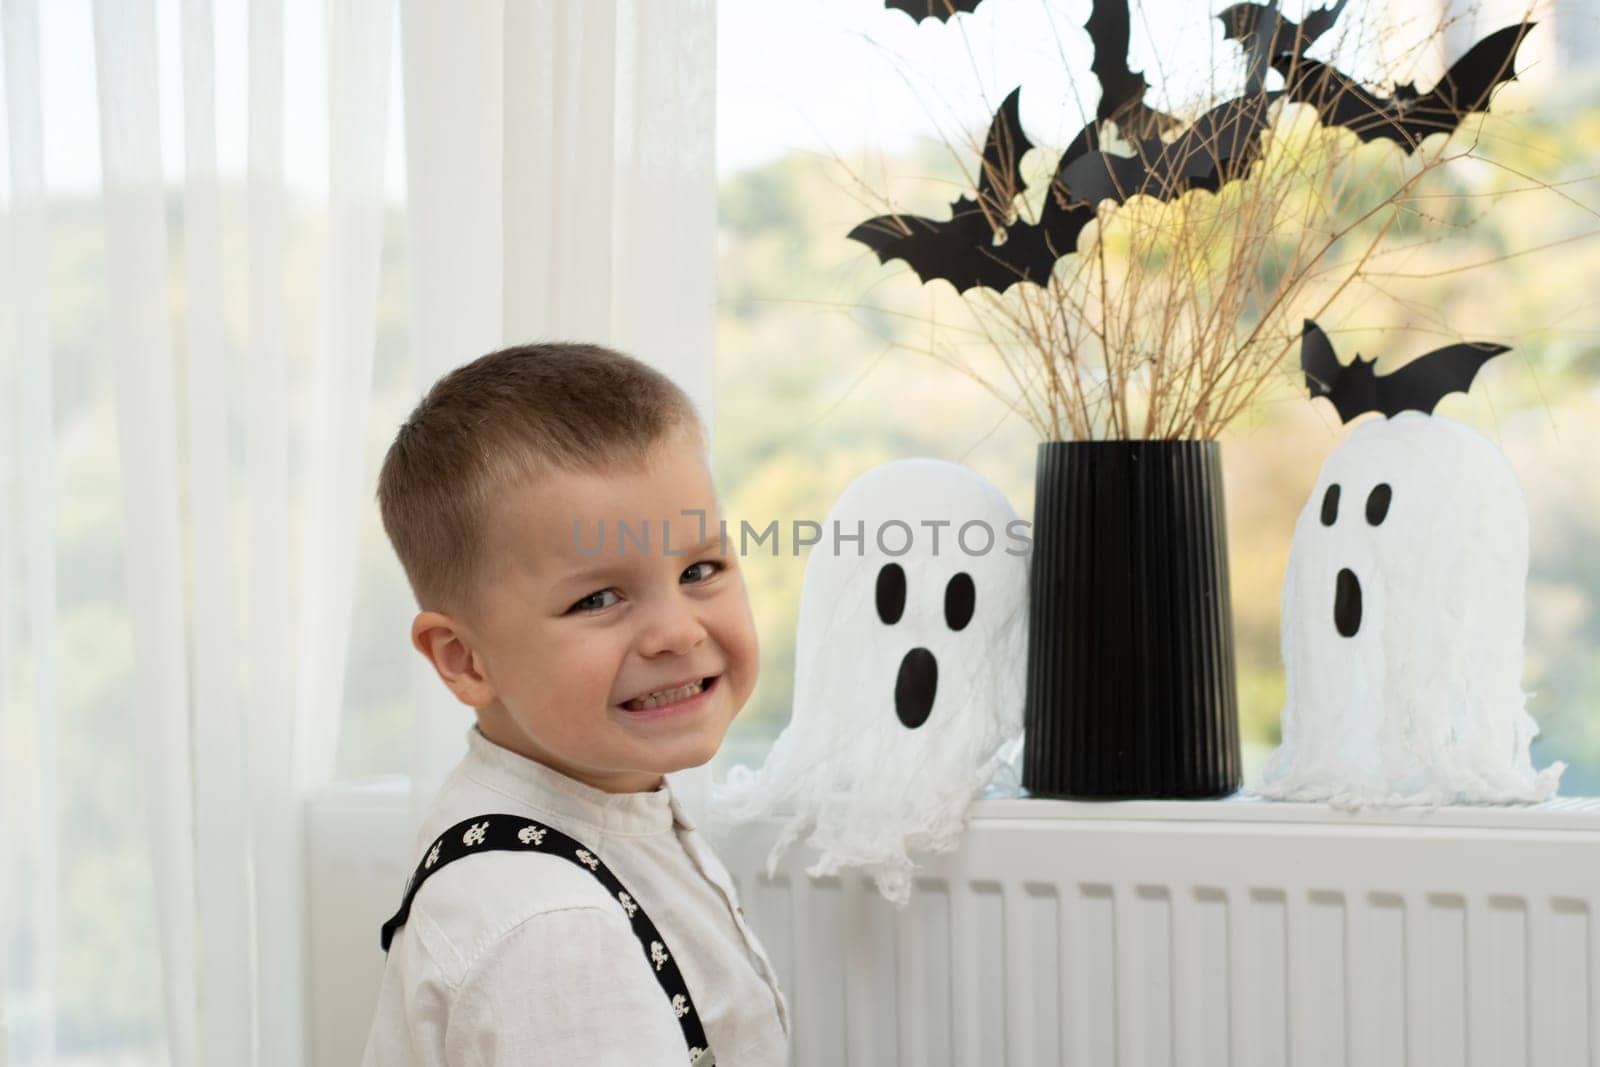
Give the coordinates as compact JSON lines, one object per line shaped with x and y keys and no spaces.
{"x":516,"y":833}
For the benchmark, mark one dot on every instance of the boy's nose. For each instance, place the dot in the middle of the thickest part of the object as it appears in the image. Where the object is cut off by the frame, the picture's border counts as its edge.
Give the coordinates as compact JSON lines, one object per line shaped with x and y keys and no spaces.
{"x":673,"y":627}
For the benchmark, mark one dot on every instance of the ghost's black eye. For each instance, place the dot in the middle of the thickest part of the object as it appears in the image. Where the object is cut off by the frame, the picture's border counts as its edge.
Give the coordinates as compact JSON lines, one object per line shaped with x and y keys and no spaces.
{"x":891,"y":593}
{"x":1378,"y":503}
{"x":1330,"y":504}
{"x":958,"y":599}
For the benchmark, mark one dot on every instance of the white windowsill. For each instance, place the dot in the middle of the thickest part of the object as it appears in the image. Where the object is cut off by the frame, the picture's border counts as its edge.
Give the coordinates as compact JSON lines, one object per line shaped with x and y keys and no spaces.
{"x":391,"y":793}
{"x":1560,"y":813}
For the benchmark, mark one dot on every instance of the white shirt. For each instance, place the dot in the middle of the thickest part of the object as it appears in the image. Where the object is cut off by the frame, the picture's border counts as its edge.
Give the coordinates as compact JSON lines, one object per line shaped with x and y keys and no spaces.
{"x":525,"y":958}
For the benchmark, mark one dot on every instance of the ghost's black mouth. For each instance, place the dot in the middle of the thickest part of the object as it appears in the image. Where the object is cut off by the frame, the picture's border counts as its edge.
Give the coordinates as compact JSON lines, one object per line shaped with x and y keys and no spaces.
{"x":915,"y":686}
{"x":1347,"y":603}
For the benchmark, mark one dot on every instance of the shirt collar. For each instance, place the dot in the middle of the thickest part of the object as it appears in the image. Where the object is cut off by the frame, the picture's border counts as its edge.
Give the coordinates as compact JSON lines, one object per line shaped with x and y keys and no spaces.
{"x":521,"y":778}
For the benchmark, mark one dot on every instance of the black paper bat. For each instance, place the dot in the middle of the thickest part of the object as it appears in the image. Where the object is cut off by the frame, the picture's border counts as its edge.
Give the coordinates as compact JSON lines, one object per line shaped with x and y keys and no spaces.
{"x":1408,"y":116}
{"x":982,"y":244}
{"x":1247,"y":22}
{"x":931,"y":9}
{"x":1266,"y":35}
{"x":1417,"y":386}
{"x":1122,"y":89}
{"x":1218,"y":148}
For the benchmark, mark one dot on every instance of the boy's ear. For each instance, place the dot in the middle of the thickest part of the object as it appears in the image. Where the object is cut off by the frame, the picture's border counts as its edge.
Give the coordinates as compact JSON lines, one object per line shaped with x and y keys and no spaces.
{"x":443,"y":643}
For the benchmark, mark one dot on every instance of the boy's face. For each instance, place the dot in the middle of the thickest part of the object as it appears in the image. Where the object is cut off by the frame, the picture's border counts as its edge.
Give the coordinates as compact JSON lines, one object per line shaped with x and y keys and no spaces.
{"x":570,"y":628}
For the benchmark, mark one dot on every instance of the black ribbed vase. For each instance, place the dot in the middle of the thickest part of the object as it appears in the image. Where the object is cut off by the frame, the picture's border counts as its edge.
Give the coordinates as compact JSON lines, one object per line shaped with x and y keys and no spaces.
{"x":1131,"y":688}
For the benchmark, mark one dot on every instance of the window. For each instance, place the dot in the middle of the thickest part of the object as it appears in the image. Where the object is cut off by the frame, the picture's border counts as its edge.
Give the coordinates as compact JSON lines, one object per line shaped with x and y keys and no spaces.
{"x":820,"y":375}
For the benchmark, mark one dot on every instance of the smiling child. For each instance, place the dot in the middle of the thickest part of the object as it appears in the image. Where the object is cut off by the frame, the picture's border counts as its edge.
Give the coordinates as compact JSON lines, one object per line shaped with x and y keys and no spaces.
{"x":550,"y":504}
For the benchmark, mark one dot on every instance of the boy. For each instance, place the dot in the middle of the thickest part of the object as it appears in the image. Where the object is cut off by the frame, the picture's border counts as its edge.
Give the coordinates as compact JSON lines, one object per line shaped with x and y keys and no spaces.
{"x":595,"y":665}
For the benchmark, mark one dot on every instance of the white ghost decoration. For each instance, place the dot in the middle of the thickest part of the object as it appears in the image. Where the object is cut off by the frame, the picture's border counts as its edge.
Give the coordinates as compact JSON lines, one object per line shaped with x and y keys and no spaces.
{"x":1402,"y":626}
{"x":910,"y":664}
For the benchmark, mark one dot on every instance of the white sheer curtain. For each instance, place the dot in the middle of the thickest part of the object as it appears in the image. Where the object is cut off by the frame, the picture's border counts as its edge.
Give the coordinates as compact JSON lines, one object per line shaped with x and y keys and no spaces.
{"x":189,"y":670}
{"x":27,"y":594}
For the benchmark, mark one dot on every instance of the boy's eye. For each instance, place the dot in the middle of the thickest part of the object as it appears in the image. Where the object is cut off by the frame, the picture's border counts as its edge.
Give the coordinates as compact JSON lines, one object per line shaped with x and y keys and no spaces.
{"x":717,"y":564}
{"x":596,"y":601}
{"x":589,"y":603}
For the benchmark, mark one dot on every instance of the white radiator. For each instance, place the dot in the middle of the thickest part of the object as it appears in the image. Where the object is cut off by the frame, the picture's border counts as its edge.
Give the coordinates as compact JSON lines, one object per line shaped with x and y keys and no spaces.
{"x":1234,"y":933}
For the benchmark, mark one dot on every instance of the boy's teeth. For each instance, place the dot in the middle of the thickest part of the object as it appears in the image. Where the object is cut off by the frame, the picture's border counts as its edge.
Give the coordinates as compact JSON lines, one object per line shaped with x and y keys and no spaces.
{"x":664,"y":696}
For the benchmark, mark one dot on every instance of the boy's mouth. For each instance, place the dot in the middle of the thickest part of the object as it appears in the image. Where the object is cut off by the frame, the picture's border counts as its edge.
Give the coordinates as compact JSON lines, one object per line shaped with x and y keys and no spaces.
{"x":671,"y":695}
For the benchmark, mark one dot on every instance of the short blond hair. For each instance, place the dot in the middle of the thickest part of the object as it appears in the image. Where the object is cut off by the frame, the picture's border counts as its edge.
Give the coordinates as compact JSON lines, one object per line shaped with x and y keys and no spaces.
{"x":493,"y":425}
